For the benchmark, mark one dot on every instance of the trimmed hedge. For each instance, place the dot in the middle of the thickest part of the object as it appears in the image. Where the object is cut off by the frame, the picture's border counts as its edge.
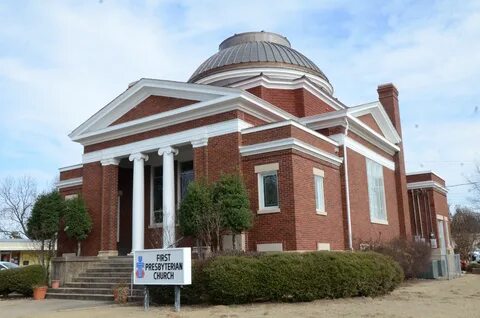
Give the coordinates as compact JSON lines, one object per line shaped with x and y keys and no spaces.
{"x":471,"y":266}
{"x":21,"y":280}
{"x":288,"y":277}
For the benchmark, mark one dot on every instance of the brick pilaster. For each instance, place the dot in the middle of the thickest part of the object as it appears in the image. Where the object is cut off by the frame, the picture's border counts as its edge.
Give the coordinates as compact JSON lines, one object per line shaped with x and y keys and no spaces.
{"x":109,"y":207}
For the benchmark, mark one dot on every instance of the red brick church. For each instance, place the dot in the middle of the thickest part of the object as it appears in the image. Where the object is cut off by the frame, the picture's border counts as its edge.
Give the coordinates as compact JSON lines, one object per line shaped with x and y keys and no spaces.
{"x":321,"y":175}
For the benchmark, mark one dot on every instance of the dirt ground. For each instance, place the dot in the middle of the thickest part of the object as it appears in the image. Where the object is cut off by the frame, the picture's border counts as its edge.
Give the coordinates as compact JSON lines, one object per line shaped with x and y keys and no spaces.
{"x":455,"y":298}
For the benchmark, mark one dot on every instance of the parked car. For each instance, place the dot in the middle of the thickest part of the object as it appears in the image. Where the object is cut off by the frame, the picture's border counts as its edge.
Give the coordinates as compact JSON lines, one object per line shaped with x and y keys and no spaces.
{"x":7,"y":265}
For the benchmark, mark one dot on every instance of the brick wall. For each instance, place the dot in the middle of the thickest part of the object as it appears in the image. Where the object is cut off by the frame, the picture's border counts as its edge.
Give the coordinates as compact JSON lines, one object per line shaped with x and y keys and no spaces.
{"x":273,"y":227}
{"x":71,"y":174}
{"x":287,"y":132}
{"x":428,"y":176}
{"x":92,"y":193}
{"x":312,"y":228}
{"x":153,"y":105}
{"x":165,"y":131}
{"x":298,"y":102}
{"x":109,"y":207}
{"x":362,"y":228}
{"x":370,"y":122}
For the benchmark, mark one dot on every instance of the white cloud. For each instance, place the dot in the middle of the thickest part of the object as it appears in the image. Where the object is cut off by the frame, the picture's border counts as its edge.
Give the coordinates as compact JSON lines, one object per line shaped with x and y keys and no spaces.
{"x":62,"y":62}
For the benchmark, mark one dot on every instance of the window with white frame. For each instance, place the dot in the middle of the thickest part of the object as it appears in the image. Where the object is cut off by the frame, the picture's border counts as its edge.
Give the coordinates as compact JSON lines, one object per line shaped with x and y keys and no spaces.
{"x":268,"y":197}
{"x":376,"y":192}
{"x":318,"y":177}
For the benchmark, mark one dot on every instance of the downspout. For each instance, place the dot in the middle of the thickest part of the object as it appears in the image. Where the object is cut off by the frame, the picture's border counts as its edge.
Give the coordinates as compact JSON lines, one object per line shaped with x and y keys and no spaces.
{"x":347,"y":189}
{"x":420,"y":213}
{"x":414,"y":212}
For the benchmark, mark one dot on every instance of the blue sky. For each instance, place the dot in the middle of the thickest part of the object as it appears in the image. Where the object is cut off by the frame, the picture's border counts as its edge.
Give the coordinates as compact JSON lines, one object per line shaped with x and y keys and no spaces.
{"x":60,"y":61}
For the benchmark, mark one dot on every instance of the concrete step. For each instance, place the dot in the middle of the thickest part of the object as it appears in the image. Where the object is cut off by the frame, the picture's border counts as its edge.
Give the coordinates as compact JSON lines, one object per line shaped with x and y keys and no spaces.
{"x":113,"y":265}
{"x":106,"y":274}
{"x":90,"y":279}
{"x":93,"y":291}
{"x":110,"y":270}
{"x":97,"y":297}
{"x":109,"y":285}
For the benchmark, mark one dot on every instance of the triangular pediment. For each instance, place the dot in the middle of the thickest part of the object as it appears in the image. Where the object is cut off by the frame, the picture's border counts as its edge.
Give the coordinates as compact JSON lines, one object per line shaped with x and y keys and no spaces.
{"x":145,"y":98}
{"x":151,"y":104}
{"x":375,"y":117}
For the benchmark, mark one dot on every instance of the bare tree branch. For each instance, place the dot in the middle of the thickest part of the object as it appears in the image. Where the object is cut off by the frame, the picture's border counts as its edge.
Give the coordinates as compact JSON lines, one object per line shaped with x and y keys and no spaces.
{"x":17,"y":196}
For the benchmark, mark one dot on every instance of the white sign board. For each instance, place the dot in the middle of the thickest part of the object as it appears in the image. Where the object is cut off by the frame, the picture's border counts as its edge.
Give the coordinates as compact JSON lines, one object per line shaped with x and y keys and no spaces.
{"x":171,"y":266}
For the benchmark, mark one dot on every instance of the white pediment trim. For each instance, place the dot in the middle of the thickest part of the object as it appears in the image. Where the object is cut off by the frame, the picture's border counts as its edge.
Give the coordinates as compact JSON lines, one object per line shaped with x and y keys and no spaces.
{"x":349,"y":117}
{"x":381,"y":118}
{"x":212,"y":100}
{"x":175,"y":139}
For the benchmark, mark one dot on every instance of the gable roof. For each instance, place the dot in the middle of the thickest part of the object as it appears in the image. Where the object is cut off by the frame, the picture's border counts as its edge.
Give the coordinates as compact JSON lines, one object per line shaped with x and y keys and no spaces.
{"x":211,"y":100}
{"x":386,"y":141}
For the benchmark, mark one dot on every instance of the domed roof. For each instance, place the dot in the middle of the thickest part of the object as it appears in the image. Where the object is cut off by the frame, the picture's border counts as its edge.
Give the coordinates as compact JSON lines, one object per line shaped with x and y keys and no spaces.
{"x":256,"y":49}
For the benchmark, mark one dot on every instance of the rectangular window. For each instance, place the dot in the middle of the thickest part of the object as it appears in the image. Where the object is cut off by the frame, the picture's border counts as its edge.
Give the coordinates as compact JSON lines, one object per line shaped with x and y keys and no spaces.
{"x":376,"y":192}
{"x":318,"y":177}
{"x":268,"y":188}
{"x":186,"y":176}
{"x":157,"y":195}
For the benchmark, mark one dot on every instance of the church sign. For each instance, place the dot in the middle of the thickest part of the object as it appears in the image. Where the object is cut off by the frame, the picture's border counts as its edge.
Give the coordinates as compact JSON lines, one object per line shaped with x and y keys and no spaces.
{"x":171,"y":266}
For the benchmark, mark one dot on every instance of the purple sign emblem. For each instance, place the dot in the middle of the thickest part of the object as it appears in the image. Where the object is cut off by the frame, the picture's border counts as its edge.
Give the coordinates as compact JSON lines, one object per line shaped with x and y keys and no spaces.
{"x":139,"y":272}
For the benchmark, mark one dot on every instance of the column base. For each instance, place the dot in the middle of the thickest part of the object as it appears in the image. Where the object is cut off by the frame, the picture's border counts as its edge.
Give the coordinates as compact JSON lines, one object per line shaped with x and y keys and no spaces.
{"x":107,"y":253}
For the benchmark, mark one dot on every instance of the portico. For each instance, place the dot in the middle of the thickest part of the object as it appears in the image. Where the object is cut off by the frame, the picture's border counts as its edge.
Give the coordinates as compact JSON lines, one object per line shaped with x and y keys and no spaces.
{"x":154,"y":182}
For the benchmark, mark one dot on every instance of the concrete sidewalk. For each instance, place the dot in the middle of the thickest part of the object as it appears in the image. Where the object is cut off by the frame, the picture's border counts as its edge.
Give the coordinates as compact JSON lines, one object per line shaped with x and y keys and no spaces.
{"x":26,"y":307}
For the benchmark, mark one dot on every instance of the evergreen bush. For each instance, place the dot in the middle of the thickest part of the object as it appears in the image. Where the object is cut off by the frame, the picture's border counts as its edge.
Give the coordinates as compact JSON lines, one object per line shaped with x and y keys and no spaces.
{"x":287,"y":277}
{"x":21,"y":280}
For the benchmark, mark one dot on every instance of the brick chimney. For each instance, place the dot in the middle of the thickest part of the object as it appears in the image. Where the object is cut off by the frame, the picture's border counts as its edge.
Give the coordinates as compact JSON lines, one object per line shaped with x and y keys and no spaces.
{"x":388,"y":97}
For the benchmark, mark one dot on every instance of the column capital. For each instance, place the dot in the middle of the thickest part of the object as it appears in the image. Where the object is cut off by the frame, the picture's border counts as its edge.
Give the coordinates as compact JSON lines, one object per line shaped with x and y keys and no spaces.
{"x":110,"y":161}
{"x":167,"y":150}
{"x":138,"y":156}
{"x":201,"y":142}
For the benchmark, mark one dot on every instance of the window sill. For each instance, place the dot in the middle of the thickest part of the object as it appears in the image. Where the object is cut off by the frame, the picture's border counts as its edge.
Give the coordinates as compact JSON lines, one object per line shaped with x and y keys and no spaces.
{"x":319,"y":212}
{"x":155,"y":226}
{"x":268,"y":210}
{"x":382,"y":222}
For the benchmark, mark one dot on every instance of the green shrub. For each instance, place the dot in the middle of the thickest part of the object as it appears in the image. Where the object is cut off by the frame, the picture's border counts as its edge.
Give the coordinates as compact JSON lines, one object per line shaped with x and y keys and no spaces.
{"x":471,"y":266}
{"x":288,"y":277}
{"x":413,"y":257}
{"x":21,"y":280}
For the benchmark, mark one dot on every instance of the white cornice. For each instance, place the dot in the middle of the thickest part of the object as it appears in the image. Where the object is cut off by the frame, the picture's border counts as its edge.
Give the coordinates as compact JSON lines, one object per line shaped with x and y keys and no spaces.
{"x":69,"y":183}
{"x":110,"y":161}
{"x":272,"y":72}
{"x":68,"y":168}
{"x":364,"y":151}
{"x":287,"y":123}
{"x":301,"y":82}
{"x":201,"y":142}
{"x":427,"y":184}
{"x":289,"y":143}
{"x":180,"y":138}
{"x":144,"y":88}
{"x":381,"y":118}
{"x":344,"y":118}
{"x":97,"y":128}
{"x":183,"y":114}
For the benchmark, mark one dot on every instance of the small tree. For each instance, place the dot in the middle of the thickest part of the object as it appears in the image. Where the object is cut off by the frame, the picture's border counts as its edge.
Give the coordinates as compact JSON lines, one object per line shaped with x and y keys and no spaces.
{"x":198,"y":217}
{"x":230,"y":198}
{"x":78,"y":222}
{"x":465,"y":229}
{"x":43,"y":225}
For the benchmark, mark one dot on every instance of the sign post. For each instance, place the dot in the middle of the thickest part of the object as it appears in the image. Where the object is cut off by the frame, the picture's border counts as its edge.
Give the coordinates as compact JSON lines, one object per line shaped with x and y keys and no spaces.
{"x":169,"y":266}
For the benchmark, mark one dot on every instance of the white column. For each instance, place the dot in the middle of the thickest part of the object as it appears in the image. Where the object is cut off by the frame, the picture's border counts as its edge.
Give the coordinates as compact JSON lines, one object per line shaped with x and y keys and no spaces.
{"x":138,"y":203}
{"x":168,"y":196}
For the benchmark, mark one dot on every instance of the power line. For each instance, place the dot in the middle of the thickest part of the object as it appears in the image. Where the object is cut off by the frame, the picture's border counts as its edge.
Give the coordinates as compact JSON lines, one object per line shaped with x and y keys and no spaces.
{"x":462,"y":184}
